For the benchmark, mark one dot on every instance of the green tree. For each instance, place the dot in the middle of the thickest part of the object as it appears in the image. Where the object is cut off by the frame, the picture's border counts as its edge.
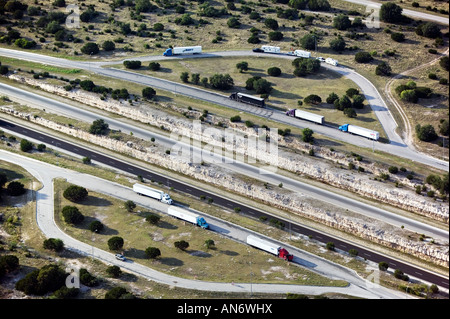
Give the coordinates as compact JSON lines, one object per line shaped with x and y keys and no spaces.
{"x":409,"y":96}
{"x":115,"y":243}
{"x":109,"y":45}
{"x":153,"y":219}
{"x":75,"y":193}
{"x":398,"y":37}
{"x":363,"y":57}
{"x":274,"y":71}
{"x":152,"y":252}
{"x":342,"y":22}
{"x":221,"y":81}
{"x":426,"y":133}
{"x":330,"y":246}
{"x":271,"y":23}
{"x":262,"y":86}
{"x":96,"y":226}
{"x":313,"y":99}
{"x":350,"y":112}
{"x":132,"y":64}
{"x":55,"y":244}
{"x":154,"y":66}
{"x":298,"y":4}
{"x":319,"y":5}
{"x":391,"y":13}
{"x":444,"y":127}
{"x":148,"y":92}
{"x":99,"y":127}
{"x":15,"y":188}
{"x":429,"y":30}
{"x":182,"y":244}
{"x":72,"y":215}
{"x":90,"y":48}
{"x":242,"y":66}
{"x":308,"y":42}
{"x":184,"y":76}
{"x":383,"y":69}
{"x":130,"y":205}
{"x":275,"y":36}
{"x":25,"y":145}
{"x":209,"y":243}
{"x":114,"y":271}
{"x":338,"y":44}
{"x":307,"y":135}
{"x":444,"y":63}
{"x":233,"y":23}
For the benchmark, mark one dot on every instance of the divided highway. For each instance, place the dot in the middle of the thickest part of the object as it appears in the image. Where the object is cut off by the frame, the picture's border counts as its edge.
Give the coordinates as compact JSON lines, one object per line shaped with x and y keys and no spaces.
{"x":407,"y":268}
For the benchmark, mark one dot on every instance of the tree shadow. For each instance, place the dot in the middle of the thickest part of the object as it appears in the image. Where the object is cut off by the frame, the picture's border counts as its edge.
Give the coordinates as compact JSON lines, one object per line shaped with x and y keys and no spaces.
{"x":170,"y":261}
{"x":11,"y":175}
{"x":135,"y":253}
{"x":229,"y":253}
{"x":128,"y":277}
{"x":199,"y":253}
{"x":95,"y":201}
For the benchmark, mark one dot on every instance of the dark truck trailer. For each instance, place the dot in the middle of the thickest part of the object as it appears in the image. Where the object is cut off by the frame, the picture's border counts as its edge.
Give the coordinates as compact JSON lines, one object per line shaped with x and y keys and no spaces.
{"x":249,"y":99}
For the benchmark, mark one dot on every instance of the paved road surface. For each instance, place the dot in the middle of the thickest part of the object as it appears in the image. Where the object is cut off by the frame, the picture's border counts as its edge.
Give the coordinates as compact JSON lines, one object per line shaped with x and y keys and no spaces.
{"x":45,"y":220}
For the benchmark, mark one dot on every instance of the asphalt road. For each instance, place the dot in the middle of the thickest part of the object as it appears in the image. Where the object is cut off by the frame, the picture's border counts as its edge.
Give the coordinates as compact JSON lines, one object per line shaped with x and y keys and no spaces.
{"x":273,"y":178}
{"x":407,"y":268}
{"x":45,"y":218}
{"x":396,"y":145}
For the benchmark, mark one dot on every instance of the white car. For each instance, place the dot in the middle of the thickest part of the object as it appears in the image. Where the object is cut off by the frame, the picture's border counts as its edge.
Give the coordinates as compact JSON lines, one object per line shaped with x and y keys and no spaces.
{"x":320,"y":59}
{"x":120,"y":257}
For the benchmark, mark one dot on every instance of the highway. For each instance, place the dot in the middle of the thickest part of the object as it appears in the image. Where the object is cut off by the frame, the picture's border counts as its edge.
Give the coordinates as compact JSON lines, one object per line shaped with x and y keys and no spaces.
{"x":338,"y":200}
{"x":396,"y":145}
{"x":406,"y":267}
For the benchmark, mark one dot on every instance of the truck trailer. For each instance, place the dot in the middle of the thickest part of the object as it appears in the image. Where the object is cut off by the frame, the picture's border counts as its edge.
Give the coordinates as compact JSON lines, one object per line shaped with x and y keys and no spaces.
{"x":153,"y":193}
{"x":270,"y":49}
{"x":269,"y":247}
{"x":319,"y":119}
{"x":331,"y":61}
{"x":249,"y":99}
{"x":187,"y":216}
{"x":183,"y":50}
{"x":302,"y":54}
{"x":357,"y":130}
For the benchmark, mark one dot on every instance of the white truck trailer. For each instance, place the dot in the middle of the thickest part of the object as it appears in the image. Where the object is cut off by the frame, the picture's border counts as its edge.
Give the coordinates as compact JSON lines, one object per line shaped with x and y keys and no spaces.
{"x":361,"y":131}
{"x":152,"y":193}
{"x":331,"y":61}
{"x":302,"y":54}
{"x":319,"y":119}
{"x":269,"y":247}
{"x":183,"y":50}
{"x":187,"y":216}
{"x":270,"y":49}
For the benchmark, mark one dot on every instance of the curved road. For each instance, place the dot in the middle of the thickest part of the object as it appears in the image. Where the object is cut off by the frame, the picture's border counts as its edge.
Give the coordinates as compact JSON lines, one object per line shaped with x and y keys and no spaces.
{"x":45,"y":219}
{"x":396,"y":145}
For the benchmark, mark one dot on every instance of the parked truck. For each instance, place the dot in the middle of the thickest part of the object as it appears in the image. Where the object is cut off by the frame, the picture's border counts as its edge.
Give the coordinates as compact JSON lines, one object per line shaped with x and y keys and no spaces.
{"x":270,"y":49}
{"x":269,"y":247}
{"x":246,"y":98}
{"x":331,"y":61}
{"x":188,"y":216}
{"x":319,"y":119}
{"x":153,"y":193}
{"x":357,"y":130}
{"x":302,"y":54}
{"x":182,"y":50}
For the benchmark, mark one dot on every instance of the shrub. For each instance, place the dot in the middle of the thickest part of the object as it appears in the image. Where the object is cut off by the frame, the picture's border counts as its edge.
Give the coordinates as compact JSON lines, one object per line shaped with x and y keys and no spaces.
{"x":262,"y":86}
{"x":154,"y":66}
{"x":275,"y":36}
{"x":274,"y":71}
{"x":313,"y":99}
{"x":393,"y":169}
{"x":96,"y":226}
{"x":90,"y":48}
{"x":87,"y":279}
{"x":39,"y":282}
{"x":75,"y":193}
{"x":153,"y":219}
{"x":271,"y":23}
{"x":99,"y":127}
{"x":15,"y":188}
{"x":182,"y":244}
{"x":132,"y":64}
{"x":397,"y":36}
{"x":254,"y":39}
{"x":307,"y":135}
{"x":319,"y":5}
{"x":391,"y":12}
{"x":115,"y":243}
{"x":114,"y":271}
{"x":331,"y":246}
{"x":342,"y":22}
{"x":337,"y":44}
{"x":130,"y":205}
{"x":25,"y":145}
{"x":383,"y":266}
{"x":41,"y":147}
{"x":429,"y":30}
{"x":363,"y":57}
{"x":152,"y":252}
{"x":426,"y":133}
{"x":332,"y":97}
{"x":409,"y":96}
{"x":383,"y":69}
{"x":233,"y":23}
{"x":148,"y":92}
{"x":242,"y":66}
{"x":108,"y":45}
{"x":72,"y":215}
{"x":350,"y":112}
{"x":54,"y":244}
{"x":308,"y":42}
{"x":235,"y":118}
{"x":221,"y":81}
{"x":444,"y":63}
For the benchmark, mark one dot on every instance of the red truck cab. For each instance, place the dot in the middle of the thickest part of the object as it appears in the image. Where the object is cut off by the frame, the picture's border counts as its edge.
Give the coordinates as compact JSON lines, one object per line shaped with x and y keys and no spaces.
{"x":283,"y":253}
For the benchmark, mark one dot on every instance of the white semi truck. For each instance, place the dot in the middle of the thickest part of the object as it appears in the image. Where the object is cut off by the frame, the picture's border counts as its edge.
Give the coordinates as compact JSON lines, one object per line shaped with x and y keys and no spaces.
{"x":183,"y":50}
{"x":331,"y":61}
{"x":319,"y":119}
{"x":269,"y":247}
{"x":270,"y":49}
{"x":302,"y":54}
{"x":153,"y":193}
{"x":361,"y":131}
{"x":187,"y":216}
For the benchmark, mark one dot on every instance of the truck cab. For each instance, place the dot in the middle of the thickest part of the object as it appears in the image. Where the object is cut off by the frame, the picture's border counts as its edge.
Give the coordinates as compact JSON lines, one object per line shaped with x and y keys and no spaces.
{"x":283,"y":253}
{"x":168,"y":52}
{"x":343,"y":128}
{"x":202,"y":223}
{"x":165,"y":198}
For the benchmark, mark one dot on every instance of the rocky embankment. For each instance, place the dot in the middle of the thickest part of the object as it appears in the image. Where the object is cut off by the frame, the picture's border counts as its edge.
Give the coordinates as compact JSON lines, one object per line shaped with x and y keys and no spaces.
{"x":290,"y":201}
{"x":326,"y":170}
